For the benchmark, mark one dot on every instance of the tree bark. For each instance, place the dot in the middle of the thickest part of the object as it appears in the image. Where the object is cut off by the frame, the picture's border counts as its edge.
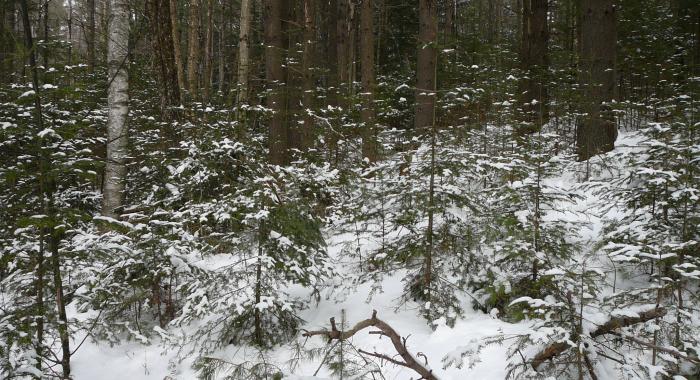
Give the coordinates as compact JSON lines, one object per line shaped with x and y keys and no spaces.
{"x":308,"y":81}
{"x":342,"y":48}
{"x":194,"y":49}
{"x":208,"y":52}
{"x":177,"y":50}
{"x":118,"y":108}
{"x":244,"y":53}
{"x":427,"y":63}
{"x":90,"y":38}
{"x":597,"y":132}
{"x":158,"y":12}
{"x":534,"y":61}
{"x":369,"y":143}
{"x":275,"y":80}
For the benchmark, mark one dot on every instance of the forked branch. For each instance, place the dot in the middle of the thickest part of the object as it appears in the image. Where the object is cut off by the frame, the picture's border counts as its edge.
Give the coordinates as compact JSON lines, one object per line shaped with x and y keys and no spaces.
{"x":384,"y":329}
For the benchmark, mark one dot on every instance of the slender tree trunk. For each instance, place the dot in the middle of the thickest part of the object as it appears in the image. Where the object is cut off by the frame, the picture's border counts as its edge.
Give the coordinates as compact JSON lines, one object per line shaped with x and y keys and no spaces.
{"x":369,"y":138}
{"x":70,"y":32}
{"x":275,"y":81}
{"x":352,"y":48}
{"x":90,"y":40}
{"x":308,"y":83}
{"x":450,"y":7}
{"x":208,"y":51}
{"x":222,"y":49}
{"x":118,"y":108}
{"x":63,"y":333}
{"x":39,"y":120}
{"x":427,"y":62}
{"x":597,"y":132}
{"x":177,"y":52}
{"x":45,"y":24}
{"x":194,"y":49}
{"x":244,"y":53}
{"x":333,"y":80}
{"x":342,"y":48}
{"x":534,"y":61}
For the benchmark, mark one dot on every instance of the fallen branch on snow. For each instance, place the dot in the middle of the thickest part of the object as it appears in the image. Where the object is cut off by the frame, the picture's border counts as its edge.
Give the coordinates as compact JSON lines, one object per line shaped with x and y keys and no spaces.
{"x":608,"y":327}
{"x":384,"y":329}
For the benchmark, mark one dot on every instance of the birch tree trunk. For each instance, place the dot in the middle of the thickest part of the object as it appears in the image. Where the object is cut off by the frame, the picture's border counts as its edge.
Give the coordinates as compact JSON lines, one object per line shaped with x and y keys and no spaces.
{"x":244,"y":53}
{"x":118,"y":108}
{"x":193,"y":51}
{"x":369,"y":145}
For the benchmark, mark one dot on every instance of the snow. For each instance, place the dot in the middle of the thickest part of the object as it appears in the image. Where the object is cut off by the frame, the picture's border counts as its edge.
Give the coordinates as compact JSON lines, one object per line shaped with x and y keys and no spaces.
{"x":445,"y":348}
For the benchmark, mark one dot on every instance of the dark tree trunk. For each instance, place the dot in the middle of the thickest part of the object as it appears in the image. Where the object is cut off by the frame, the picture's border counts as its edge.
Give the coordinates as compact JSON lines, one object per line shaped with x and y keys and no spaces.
{"x":208,"y":52}
{"x":597,"y":131}
{"x":535,"y":64}
{"x":91,"y":35}
{"x":427,"y":61}
{"x":274,"y":76}
{"x":309,"y":43}
{"x":369,"y":143}
{"x":342,"y":48}
{"x":158,"y":12}
{"x":194,"y":49}
{"x":7,"y":26}
{"x":333,"y":72}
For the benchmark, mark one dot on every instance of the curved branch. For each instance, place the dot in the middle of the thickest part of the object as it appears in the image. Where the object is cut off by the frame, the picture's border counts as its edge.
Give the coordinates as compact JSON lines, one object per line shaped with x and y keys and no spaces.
{"x":384,"y":329}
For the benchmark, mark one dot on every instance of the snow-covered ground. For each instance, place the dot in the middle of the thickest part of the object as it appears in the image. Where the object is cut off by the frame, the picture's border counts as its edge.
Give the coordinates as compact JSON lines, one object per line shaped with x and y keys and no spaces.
{"x":157,"y":361}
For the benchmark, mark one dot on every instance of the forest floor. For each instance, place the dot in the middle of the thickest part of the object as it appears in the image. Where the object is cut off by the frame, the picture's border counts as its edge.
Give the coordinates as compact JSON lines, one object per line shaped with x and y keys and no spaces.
{"x":351,"y":303}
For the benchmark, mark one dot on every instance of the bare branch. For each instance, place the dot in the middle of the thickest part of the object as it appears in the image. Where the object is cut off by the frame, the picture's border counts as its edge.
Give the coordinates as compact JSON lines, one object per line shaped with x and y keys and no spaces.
{"x":384,"y":329}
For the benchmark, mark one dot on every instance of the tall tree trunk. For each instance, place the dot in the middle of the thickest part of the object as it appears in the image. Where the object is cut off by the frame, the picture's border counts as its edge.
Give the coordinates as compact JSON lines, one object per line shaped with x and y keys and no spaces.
{"x":342,"y":48}
{"x":308,"y":81}
{"x":39,"y":120}
{"x":7,"y":46}
{"x":244,"y":53}
{"x":194,"y":49}
{"x":45,"y":49}
{"x":425,"y":110}
{"x":427,"y":63}
{"x":90,"y":40}
{"x":177,"y":50}
{"x":450,"y":8}
{"x":534,"y":61}
{"x":118,"y":108}
{"x":158,"y":12}
{"x":208,"y":51}
{"x":597,"y":132}
{"x":274,"y":76}
{"x":352,"y":48}
{"x":222,"y":49}
{"x":333,"y":80}
{"x":369,"y":143}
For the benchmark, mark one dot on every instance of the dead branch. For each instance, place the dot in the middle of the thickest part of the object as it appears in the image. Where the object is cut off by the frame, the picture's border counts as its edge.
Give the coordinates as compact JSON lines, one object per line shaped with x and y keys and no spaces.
{"x":384,"y":329}
{"x":608,"y":327}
